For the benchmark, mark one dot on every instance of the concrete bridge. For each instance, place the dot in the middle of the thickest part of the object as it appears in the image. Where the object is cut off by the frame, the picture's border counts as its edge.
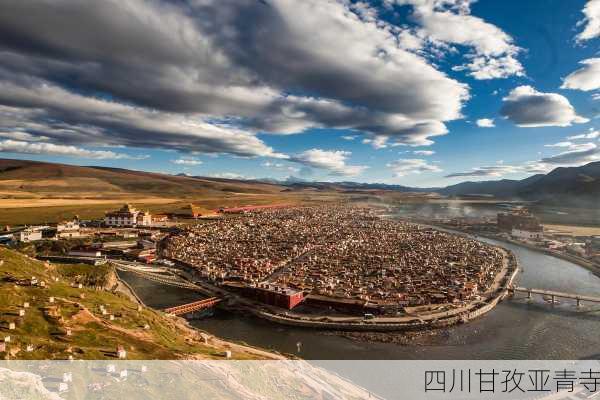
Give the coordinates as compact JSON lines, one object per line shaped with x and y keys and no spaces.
{"x":193,"y":307}
{"x":553,"y":294}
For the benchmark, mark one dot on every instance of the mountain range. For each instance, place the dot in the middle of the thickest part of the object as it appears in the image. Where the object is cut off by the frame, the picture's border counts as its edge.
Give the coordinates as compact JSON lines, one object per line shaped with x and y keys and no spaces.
{"x":569,"y":186}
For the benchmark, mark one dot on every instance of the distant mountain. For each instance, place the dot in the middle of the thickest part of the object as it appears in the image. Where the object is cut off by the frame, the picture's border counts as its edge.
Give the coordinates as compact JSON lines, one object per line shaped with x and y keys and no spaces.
{"x":299,"y":183}
{"x":574,"y":186}
{"x":569,"y":186}
{"x":501,"y":188}
{"x":566,"y":185}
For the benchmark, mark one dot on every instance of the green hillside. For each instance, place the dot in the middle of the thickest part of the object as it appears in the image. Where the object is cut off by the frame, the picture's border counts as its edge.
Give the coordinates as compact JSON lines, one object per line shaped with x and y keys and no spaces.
{"x":73,"y":325}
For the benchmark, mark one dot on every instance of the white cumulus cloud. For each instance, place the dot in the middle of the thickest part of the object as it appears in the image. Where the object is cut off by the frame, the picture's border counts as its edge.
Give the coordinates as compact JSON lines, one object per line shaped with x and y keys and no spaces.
{"x":529,"y":108}
{"x":50,"y":111}
{"x":493,"y":52}
{"x":406,"y":166}
{"x":575,"y":155}
{"x":16,"y":146}
{"x":231,"y":175}
{"x":335,"y":162}
{"x":187,"y":161}
{"x":591,"y":21}
{"x":424,"y":152}
{"x":586,"y":78}
{"x":592,"y":134}
{"x":497,"y":171}
{"x":559,"y":144}
{"x":222,"y":71}
{"x":485,"y":123}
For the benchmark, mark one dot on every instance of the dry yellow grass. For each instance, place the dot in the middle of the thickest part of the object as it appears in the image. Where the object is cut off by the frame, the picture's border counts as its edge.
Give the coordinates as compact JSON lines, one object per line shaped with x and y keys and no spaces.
{"x":49,"y":210}
{"x":41,"y":202}
{"x":573,"y":230}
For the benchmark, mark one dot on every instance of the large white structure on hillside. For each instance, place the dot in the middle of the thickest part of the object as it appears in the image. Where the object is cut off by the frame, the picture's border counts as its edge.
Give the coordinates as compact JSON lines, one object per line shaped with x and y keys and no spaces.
{"x":128,"y":216}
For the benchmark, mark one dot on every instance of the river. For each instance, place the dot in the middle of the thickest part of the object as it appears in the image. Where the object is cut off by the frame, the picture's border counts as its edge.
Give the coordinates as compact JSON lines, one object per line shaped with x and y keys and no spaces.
{"x":515,"y":329}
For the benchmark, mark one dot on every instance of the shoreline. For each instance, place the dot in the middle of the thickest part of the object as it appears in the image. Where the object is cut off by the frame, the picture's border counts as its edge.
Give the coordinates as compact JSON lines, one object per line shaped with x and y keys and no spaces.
{"x":409,"y":323}
{"x":127,"y":290}
{"x":374,"y":326}
{"x":586,"y":264}
{"x":215,"y":341}
{"x":590,"y":266}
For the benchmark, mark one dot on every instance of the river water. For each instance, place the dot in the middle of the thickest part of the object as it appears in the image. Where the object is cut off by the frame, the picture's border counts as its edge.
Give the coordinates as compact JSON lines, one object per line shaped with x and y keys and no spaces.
{"x":516,"y":329}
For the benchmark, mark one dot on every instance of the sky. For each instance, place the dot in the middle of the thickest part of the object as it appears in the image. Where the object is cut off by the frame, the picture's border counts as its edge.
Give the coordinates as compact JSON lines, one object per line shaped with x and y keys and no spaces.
{"x":420,"y":93}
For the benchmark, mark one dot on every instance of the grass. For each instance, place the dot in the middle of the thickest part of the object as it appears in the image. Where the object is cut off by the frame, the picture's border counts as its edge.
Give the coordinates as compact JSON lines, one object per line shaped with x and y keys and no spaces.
{"x":94,"y":336}
{"x":54,"y":214}
{"x":574,"y":230}
{"x":86,"y":274}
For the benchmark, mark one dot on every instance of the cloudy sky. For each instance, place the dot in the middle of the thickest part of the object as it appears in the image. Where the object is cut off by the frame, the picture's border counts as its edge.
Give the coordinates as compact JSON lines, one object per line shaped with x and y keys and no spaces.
{"x":415,"y":92}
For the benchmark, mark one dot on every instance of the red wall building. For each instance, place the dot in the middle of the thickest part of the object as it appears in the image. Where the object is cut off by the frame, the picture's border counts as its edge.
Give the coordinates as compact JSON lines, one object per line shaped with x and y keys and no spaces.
{"x":277,"y":296}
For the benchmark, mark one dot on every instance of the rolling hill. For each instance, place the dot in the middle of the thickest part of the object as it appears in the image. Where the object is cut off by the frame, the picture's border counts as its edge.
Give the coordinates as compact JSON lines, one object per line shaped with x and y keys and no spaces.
{"x":38,"y":179}
{"x":61,"y":319}
{"x":572,"y":186}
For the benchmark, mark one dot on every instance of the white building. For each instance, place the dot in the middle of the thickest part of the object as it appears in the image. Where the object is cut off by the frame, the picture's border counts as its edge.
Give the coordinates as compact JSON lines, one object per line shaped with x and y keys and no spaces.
{"x":68,"y":226}
{"x":527,"y":235}
{"x":69,"y":230}
{"x":144,"y":218}
{"x":128,"y":216}
{"x":29,"y":235}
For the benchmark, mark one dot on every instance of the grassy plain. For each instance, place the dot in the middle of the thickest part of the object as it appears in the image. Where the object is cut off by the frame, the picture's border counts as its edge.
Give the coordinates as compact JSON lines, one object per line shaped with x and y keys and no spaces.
{"x":65,"y":209}
{"x":574,"y":229}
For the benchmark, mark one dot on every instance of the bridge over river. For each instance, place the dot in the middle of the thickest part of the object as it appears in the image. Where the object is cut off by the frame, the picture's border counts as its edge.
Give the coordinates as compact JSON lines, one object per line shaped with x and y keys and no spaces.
{"x":193,"y":307}
{"x":554,"y":294}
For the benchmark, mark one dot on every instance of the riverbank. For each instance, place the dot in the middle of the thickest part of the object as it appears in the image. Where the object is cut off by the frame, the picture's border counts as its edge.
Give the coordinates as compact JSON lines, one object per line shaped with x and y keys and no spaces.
{"x":378,"y":324}
{"x":516,"y":328}
{"x":124,"y":287}
{"x":193,"y":333}
{"x":405,"y":323}
{"x":588,"y":265}
{"x":385,"y":324}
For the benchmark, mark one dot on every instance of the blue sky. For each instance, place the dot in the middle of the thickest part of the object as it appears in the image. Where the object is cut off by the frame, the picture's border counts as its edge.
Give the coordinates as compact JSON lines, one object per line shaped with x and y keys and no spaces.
{"x":384,"y":91}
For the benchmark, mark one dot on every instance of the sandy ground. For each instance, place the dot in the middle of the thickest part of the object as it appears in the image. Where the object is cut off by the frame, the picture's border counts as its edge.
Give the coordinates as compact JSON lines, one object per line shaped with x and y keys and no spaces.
{"x":31,"y":203}
{"x":573,"y":230}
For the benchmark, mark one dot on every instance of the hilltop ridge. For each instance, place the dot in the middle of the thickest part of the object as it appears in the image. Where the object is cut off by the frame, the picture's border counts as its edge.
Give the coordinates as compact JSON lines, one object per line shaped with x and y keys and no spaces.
{"x":570,"y":186}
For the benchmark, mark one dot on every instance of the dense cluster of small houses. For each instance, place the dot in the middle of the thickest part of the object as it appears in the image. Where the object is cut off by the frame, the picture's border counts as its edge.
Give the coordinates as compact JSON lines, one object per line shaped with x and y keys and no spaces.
{"x":340,"y":252}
